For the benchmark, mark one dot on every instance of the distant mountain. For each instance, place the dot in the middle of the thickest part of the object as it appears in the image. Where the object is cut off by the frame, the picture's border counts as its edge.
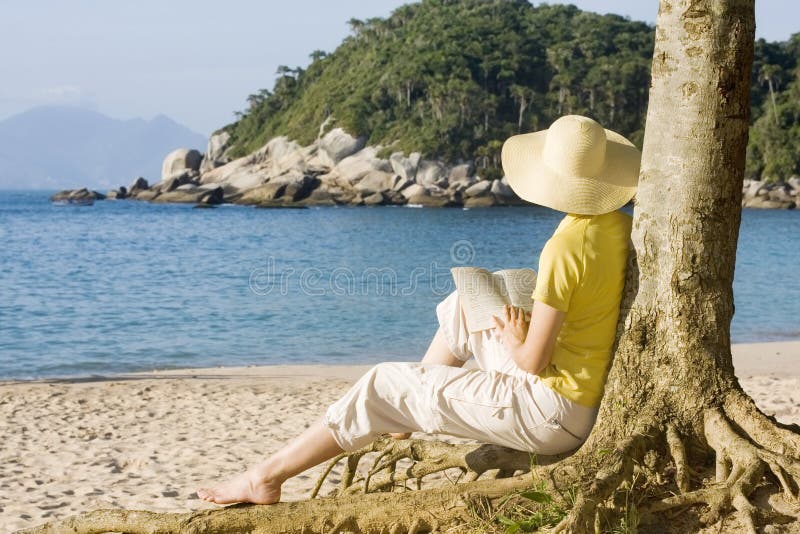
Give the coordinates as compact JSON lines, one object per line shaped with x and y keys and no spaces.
{"x":58,"y":147}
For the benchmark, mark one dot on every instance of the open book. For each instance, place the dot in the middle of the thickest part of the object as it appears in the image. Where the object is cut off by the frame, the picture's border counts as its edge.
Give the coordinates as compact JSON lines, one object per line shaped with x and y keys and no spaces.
{"x":483,"y":294}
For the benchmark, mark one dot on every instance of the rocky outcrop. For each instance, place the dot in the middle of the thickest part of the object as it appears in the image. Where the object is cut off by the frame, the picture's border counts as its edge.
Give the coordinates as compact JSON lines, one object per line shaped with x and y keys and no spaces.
{"x":180,"y":161}
{"x":77,"y":195}
{"x":216,"y":152}
{"x":338,"y":169}
{"x":771,"y":195}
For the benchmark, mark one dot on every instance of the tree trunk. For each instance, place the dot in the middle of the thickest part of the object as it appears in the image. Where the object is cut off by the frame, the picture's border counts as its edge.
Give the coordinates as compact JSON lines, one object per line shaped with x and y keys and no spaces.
{"x":671,"y":398}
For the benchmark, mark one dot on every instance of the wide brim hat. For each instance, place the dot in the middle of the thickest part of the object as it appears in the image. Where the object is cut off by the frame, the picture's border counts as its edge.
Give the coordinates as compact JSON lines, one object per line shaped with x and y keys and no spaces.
{"x":575,"y":166}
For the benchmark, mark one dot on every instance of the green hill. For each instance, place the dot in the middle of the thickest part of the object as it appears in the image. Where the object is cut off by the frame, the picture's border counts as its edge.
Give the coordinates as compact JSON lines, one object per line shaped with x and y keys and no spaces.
{"x":453,"y":79}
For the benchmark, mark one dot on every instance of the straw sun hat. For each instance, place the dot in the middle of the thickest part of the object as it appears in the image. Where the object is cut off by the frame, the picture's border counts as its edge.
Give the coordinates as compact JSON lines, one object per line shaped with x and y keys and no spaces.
{"x":575,"y":166}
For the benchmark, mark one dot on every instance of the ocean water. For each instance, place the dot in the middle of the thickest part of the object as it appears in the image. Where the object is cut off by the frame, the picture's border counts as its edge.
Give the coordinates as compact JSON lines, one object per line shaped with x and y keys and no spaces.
{"x":127,"y":286}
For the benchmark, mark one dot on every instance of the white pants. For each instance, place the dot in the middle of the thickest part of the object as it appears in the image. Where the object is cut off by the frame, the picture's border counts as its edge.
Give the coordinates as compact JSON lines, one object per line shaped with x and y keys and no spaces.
{"x":495,"y":403}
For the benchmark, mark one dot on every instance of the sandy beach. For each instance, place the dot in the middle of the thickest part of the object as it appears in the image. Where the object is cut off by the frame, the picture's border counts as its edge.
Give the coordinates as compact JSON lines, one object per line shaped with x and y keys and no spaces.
{"x":148,"y":440}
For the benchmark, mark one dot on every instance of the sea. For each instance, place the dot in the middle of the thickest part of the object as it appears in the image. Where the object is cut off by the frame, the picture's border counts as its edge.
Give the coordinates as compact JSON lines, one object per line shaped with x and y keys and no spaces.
{"x":125,"y":286}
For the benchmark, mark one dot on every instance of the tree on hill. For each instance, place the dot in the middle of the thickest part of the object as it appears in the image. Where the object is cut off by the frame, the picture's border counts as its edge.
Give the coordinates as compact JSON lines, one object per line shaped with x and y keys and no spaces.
{"x":675,"y":429}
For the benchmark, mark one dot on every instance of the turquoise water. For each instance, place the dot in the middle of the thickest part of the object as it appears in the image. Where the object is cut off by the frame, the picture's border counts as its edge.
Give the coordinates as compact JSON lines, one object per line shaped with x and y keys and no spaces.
{"x":126,"y":286}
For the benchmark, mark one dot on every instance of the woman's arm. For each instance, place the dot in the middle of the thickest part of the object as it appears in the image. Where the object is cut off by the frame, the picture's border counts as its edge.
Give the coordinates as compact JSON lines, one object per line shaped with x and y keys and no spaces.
{"x":530,"y":343}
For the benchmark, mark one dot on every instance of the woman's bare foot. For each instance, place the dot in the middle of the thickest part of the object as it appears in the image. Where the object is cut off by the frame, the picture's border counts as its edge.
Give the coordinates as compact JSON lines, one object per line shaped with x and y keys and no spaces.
{"x":251,"y":486}
{"x":400,"y":435}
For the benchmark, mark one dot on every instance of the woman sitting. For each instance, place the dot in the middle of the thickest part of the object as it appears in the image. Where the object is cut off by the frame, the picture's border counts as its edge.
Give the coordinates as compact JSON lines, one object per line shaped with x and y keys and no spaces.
{"x":538,"y":382}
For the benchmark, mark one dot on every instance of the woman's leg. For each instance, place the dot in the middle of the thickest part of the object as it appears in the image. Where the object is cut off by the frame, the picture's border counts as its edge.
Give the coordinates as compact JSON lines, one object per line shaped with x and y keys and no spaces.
{"x":262,"y":483}
{"x":439,"y":352}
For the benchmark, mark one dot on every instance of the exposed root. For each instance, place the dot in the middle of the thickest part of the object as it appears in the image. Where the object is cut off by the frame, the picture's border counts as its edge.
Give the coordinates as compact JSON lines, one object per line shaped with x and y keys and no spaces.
{"x":620,"y":465}
{"x":427,"y":457}
{"x":764,"y":430}
{"x":678,"y":452}
{"x":740,"y":467}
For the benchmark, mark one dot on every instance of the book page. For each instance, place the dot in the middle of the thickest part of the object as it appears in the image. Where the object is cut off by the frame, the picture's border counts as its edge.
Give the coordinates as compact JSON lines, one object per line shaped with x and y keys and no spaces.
{"x":483,"y":294}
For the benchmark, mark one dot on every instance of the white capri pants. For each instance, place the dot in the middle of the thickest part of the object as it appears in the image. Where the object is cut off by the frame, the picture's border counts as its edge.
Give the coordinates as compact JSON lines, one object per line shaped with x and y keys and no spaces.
{"x":496,"y":403}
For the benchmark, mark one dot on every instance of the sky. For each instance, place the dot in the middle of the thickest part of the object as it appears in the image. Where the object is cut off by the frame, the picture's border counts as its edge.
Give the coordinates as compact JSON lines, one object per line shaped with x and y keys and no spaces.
{"x":197,"y":60}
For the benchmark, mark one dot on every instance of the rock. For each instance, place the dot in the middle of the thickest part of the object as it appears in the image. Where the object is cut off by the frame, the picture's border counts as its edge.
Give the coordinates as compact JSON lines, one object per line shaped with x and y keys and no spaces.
{"x":461,"y":173}
{"x":180,"y":160}
{"x":177,"y":180}
{"x":401,"y":183}
{"x":480,"y":202}
{"x":501,"y":189}
{"x":403,"y":167}
{"x":780,"y":193}
{"x":140,"y":184}
{"x":280,"y":156}
{"x":413,"y":190}
{"x":430,"y":201}
{"x":375,"y":199}
{"x":762,"y":202}
{"x":319,"y":197}
{"x":117,"y":194}
{"x":794,"y":183}
{"x":196,"y":195}
{"x":395,"y":198}
{"x":354,"y":168}
{"x":755,"y":189}
{"x":337,"y":145}
{"x":481,"y":188}
{"x":216,"y":152}
{"x":264,"y":193}
{"x":431,"y":173}
{"x":147,"y":194}
{"x":375,"y":182}
{"x":81,"y":194}
{"x":298,"y":186}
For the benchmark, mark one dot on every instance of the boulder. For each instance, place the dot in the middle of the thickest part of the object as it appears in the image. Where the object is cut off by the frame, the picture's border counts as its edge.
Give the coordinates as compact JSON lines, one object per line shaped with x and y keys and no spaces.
{"x":481,"y":188}
{"x":81,"y":194}
{"x":401,"y":183}
{"x":298,"y":186}
{"x":405,"y":167}
{"x":195,"y":195}
{"x":319,"y":197}
{"x":264,"y":193}
{"x":336,"y":145}
{"x":480,"y":202}
{"x":780,"y":193}
{"x":501,"y":189}
{"x":117,"y":194}
{"x":431,"y":173}
{"x":413,"y":190}
{"x":138,"y":185}
{"x":461,"y":173}
{"x":177,"y":180}
{"x":430,"y":201}
{"x":375,"y":182}
{"x":215,"y":155}
{"x":794,"y":183}
{"x":279,"y":156}
{"x":762,"y":202}
{"x":375,"y":199}
{"x":354,"y":168}
{"x":754,"y":189}
{"x":395,"y":198}
{"x":147,"y":194}
{"x":180,"y":160}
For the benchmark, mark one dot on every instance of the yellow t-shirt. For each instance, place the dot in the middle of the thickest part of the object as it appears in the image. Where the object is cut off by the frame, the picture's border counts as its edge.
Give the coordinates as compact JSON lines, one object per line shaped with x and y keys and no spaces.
{"x":582,"y":273}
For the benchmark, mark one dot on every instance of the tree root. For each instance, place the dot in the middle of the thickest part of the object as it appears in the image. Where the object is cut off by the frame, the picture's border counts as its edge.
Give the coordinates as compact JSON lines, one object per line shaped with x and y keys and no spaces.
{"x":427,"y":457}
{"x":619,"y":468}
{"x":375,"y":513}
{"x":740,"y":466}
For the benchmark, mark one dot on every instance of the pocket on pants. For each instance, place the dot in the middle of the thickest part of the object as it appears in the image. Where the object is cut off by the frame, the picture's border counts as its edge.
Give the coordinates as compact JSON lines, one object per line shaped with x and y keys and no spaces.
{"x":489,"y":412}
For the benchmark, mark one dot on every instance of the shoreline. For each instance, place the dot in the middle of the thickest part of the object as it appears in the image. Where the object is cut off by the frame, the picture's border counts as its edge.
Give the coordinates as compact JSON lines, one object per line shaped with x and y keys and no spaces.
{"x":148,"y":440}
{"x":762,"y":358}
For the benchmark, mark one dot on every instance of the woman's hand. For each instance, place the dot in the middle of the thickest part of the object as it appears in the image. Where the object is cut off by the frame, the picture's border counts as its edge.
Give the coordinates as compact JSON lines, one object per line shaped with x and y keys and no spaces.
{"x":514,"y":329}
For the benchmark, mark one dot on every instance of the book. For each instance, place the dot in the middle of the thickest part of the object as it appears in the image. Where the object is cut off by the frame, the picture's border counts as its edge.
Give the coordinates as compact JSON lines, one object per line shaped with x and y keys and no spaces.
{"x":483,"y":293}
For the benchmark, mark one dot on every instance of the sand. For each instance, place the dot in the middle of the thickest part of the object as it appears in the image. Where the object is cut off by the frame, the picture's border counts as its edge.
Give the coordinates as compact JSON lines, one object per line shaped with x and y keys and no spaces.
{"x":148,"y":440}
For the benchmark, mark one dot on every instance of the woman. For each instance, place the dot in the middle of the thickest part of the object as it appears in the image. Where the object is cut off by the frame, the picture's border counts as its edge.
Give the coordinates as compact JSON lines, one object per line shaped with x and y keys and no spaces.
{"x":538,"y":383}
